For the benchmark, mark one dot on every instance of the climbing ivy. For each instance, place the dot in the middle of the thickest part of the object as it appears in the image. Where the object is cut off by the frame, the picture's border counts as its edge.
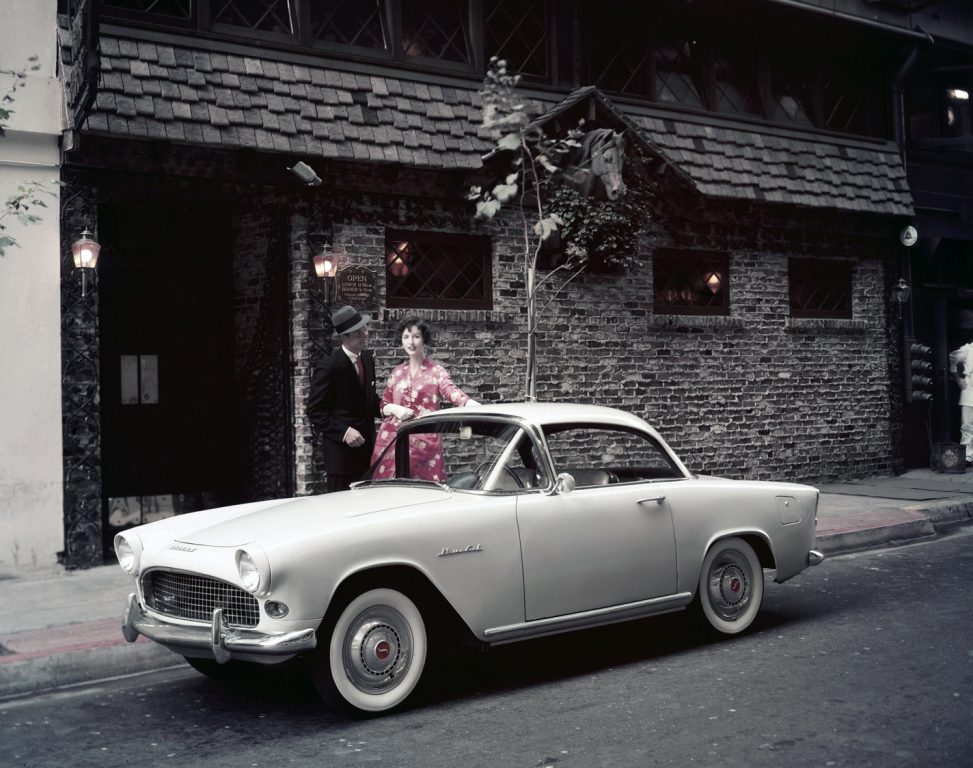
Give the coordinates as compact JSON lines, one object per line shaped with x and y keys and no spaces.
{"x":606,"y":231}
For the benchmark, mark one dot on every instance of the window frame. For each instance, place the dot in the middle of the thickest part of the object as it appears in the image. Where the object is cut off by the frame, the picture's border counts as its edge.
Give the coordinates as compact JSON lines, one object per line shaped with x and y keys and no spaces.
{"x":837,"y":267}
{"x":692,"y":256}
{"x":483,"y":242}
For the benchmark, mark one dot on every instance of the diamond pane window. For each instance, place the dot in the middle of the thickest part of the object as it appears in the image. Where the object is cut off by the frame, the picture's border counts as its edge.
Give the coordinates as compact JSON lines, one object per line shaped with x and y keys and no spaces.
{"x":436,"y":29}
{"x":257,"y":15}
{"x":172,"y":9}
{"x":358,"y":23}
{"x":619,"y":49}
{"x":516,"y":30}
{"x":845,"y":90}
{"x":735,"y":81}
{"x":677,"y":68}
{"x":691,"y":283}
{"x":433,"y":270}
{"x":790,"y":98}
{"x":819,"y":288}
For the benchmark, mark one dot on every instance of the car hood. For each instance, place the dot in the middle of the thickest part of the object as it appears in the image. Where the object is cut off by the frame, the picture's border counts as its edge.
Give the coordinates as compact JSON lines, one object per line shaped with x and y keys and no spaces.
{"x":268,"y":523}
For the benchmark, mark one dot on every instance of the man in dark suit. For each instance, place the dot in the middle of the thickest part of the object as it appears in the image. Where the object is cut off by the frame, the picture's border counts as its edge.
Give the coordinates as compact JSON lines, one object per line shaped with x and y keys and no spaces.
{"x":342,"y":404}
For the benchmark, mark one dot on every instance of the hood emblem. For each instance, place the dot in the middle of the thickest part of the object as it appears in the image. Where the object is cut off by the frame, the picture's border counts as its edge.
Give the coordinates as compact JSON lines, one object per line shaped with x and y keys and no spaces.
{"x":470,"y":548}
{"x":183,"y":548}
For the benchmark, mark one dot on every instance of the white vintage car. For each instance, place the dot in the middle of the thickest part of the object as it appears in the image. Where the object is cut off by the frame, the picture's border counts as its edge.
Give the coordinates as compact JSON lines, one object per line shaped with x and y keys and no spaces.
{"x":553,"y":517}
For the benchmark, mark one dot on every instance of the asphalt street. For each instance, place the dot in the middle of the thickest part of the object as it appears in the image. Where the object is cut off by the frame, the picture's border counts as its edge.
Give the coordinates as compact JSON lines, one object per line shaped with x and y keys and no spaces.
{"x":866,"y":660}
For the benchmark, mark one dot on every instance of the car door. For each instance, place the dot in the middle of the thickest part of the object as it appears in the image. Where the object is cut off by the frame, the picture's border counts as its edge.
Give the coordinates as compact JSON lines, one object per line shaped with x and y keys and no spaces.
{"x":600,"y":545}
{"x":595,"y":547}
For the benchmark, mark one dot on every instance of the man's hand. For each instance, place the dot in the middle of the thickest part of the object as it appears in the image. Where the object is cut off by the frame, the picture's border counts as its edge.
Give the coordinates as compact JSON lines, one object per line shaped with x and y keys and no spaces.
{"x":354,"y":438}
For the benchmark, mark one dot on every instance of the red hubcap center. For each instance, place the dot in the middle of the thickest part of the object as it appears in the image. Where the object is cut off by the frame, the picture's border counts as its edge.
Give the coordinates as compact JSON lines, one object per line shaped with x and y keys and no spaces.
{"x":382,"y":650}
{"x":735,"y":585}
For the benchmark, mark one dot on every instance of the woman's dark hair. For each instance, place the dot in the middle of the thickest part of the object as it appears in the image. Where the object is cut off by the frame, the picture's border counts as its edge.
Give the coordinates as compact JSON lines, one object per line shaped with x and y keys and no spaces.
{"x":413,"y":320}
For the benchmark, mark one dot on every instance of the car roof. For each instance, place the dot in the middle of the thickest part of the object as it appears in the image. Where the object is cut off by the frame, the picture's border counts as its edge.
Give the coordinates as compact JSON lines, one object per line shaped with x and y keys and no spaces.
{"x":545,"y":414}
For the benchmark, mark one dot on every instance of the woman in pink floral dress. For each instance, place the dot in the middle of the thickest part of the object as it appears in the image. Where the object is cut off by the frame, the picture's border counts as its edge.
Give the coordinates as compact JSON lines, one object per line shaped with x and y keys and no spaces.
{"x":415,"y":388}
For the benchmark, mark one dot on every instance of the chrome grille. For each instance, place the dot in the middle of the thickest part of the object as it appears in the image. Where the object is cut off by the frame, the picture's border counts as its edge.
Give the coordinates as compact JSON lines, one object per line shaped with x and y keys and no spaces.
{"x":188,"y":596}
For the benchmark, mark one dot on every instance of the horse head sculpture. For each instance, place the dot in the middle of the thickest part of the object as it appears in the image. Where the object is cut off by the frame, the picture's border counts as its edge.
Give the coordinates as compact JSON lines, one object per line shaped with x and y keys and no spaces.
{"x":600,"y":158}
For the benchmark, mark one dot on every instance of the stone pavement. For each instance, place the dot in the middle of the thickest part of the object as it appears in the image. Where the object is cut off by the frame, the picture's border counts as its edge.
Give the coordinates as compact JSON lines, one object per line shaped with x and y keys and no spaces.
{"x":61,"y":628}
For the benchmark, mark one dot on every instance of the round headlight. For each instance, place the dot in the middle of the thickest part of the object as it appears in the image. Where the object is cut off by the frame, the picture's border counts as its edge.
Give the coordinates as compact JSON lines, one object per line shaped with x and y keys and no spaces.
{"x":249,"y":572}
{"x":127,"y":557}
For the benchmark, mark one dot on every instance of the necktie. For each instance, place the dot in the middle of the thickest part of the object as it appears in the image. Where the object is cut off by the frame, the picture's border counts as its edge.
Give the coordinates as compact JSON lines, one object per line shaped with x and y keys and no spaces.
{"x":361,"y":371}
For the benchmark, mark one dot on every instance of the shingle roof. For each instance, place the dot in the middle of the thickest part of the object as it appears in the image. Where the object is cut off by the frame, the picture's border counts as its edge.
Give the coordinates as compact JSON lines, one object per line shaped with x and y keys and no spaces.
{"x":727,"y":163}
{"x":155,"y":91}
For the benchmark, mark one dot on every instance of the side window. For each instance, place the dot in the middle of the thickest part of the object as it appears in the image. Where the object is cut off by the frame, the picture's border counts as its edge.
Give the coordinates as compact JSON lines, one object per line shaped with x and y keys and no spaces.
{"x":690,"y":283}
{"x":604,"y":455}
{"x":435,"y":270}
{"x":819,"y":287}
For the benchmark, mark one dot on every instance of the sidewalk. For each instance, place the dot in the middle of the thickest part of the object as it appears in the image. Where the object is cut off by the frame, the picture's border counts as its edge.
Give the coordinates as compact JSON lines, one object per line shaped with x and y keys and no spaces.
{"x":64,"y":627}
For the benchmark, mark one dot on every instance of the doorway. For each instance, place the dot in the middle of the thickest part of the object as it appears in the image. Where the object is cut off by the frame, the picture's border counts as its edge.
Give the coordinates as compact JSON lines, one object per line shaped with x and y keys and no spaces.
{"x":167,"y":375}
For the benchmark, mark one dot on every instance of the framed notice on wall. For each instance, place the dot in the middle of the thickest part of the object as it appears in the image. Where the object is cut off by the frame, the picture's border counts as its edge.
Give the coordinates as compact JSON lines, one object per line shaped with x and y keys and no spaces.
{"x":356,"y":286}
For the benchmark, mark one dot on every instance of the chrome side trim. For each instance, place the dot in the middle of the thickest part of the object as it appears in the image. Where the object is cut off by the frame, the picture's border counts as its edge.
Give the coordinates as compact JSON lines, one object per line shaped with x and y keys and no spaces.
{"x":216,"y":637}
{"x":596,"y":616}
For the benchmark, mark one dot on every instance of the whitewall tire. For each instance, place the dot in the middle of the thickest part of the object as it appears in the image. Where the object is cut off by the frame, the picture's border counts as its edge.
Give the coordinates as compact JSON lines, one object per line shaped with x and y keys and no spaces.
{"x":731,"y":586}
{"x":370,"y":658}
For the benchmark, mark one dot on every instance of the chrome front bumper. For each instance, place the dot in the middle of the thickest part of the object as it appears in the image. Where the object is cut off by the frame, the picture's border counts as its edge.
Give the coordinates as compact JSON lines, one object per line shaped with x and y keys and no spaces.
{"x":217,"y":637}
{"x":814,"y":557}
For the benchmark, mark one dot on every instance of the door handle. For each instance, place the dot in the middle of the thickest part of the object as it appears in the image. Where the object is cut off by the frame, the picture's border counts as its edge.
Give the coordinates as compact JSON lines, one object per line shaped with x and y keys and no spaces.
{"x":657,"y":499}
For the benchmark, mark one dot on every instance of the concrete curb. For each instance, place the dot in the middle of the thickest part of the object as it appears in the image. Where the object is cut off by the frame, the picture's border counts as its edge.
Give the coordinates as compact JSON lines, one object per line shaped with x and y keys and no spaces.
{"x":22,"y":675}
{"x":885,"y":526}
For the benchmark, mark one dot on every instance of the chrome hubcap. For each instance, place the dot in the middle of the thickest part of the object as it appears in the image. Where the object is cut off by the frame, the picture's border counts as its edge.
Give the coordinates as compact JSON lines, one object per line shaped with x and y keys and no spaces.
{"x":377,"y":649}
{"x":729,"y":585}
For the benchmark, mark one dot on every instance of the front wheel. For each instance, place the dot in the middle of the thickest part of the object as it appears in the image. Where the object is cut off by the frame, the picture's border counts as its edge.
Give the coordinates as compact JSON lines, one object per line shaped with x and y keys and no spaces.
{"x":731,"y":586}
{"x":370,"y":658}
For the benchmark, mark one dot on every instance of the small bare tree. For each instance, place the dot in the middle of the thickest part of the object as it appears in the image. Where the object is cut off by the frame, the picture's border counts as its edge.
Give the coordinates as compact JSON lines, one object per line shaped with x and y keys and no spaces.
{"x":508,"y":118}
{"x":550,"y":178}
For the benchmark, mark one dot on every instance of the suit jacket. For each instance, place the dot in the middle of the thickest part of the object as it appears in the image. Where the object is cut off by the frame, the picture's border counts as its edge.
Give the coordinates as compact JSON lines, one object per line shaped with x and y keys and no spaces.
{"x":337,"y":401}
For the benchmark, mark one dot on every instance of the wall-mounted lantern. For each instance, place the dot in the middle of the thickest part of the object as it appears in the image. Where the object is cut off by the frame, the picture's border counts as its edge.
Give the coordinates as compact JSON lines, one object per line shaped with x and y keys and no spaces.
{"x":900,"y":294}
{"x":85,"y":251}
{"x":320,"y":239}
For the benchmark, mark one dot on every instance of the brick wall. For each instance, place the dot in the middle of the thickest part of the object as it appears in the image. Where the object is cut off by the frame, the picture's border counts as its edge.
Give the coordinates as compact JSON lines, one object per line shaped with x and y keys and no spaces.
{"x":754,"y":395}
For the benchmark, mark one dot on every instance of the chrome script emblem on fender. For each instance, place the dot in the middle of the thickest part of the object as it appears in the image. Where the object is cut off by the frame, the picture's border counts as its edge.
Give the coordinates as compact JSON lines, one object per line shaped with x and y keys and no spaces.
{"x":183,"y":548}
{"x":470,"y":548}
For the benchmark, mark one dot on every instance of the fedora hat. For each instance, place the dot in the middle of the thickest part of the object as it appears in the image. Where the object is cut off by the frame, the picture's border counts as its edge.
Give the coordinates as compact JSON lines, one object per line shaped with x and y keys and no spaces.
{"x":347,"y":320}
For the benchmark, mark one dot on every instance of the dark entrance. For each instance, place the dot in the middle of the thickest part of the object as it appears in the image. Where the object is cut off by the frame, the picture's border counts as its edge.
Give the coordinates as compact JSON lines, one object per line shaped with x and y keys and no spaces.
{"x":167,"y":377}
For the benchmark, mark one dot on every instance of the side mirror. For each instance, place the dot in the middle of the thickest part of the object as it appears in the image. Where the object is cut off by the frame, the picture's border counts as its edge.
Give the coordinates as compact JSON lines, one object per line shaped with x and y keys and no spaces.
{"x":563,"y":483}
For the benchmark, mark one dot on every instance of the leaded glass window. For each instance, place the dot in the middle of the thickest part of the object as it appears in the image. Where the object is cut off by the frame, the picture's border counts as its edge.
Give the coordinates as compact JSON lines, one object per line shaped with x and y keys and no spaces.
{"x":358,"y":23}
{"x":790,"y":100}
{"x":433,"y":270}
{"x":436,"y":29}
{"x":819,"y":287}
{"x":691,"y":282}
{"x":845,"y":92}
{"x":619,"y":51}
{"x":734,"y":81}
{"x":256,"y":15}
{"x":517,"y":31}
{"x":678,"y":69}
{"x":174,"y":9}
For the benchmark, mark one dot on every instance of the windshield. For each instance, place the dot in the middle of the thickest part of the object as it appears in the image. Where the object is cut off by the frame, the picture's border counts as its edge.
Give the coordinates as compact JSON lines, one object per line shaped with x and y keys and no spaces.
{"x":473,"y":454}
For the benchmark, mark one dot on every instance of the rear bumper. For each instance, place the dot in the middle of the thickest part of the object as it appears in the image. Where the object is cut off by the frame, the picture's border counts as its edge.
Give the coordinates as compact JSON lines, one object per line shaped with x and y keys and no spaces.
{"x":814,"y":557}
{"x":217,"y":638}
